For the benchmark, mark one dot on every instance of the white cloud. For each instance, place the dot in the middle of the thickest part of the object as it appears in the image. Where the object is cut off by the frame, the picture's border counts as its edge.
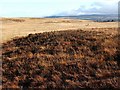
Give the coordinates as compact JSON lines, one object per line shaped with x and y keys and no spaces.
{"x":99,"y":7}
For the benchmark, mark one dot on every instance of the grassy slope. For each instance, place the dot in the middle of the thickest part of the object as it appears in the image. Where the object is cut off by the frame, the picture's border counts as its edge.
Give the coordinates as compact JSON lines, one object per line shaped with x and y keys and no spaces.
{"x":72,"y":59}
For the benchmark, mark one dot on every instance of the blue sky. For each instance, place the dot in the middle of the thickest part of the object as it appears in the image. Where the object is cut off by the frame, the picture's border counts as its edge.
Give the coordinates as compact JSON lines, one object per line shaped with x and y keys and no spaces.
{"x":41,"y":8}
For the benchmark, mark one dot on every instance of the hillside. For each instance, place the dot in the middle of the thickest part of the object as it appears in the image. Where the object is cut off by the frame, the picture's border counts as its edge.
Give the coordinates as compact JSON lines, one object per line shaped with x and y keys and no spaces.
{"x":62,"y":59}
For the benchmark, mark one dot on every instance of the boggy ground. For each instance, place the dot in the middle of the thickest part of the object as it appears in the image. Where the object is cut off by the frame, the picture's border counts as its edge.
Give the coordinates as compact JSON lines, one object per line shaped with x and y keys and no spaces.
{"x":64,"y":59}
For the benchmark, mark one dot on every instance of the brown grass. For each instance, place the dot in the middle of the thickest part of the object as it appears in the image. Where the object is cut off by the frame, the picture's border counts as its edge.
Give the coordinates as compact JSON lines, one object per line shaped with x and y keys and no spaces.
{"x":64,"y":59}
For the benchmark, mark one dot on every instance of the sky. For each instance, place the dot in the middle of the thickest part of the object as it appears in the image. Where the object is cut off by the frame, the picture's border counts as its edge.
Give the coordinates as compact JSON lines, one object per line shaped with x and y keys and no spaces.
{"x":42,"y":8}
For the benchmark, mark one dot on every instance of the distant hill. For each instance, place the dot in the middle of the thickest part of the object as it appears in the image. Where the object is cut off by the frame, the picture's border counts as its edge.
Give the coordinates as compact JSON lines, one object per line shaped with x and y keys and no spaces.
{"x":94,"y":17}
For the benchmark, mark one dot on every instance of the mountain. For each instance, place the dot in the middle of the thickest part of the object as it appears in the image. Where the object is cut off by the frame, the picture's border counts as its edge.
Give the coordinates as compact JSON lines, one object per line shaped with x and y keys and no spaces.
{"x":94,"y":17}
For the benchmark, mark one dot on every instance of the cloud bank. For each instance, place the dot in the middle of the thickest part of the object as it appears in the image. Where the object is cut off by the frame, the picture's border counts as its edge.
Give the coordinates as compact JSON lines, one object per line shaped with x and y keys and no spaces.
{"x":95,"y":8}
